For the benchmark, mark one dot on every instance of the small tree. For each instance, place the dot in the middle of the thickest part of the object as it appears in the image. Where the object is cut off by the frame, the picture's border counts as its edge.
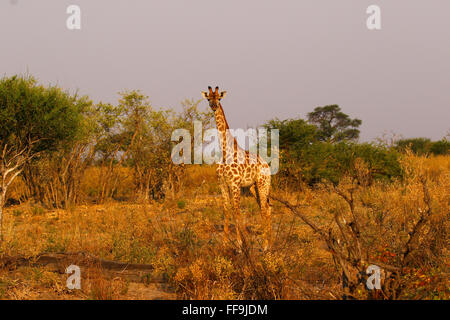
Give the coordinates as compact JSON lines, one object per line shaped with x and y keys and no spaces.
{"x":34,"y":119}
{"x":297,"y":138}
{"x":150,"y":154}
{"x":12,"y":159}
{"x":333,"y":124}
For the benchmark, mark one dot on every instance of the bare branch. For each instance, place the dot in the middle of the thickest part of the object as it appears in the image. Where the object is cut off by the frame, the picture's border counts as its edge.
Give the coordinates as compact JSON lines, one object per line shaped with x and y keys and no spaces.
{"x":424,"y":218}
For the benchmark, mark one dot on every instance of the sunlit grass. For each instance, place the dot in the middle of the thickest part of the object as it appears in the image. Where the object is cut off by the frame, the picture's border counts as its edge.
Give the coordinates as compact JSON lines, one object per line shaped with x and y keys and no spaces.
{"x":183,"y":237}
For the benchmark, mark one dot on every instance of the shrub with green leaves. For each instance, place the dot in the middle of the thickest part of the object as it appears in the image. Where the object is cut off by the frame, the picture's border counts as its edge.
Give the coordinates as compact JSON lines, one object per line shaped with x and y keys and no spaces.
{"x":441,"y":147}
{"x":306,"y":158}
{"x":423,"y":146}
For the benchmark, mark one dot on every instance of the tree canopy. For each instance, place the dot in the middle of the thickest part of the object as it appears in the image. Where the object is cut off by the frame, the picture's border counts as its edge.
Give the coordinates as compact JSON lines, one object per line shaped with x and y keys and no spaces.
{"x":333,"y":124}
{"x":324,"y":148}
{"x":33,"y":113}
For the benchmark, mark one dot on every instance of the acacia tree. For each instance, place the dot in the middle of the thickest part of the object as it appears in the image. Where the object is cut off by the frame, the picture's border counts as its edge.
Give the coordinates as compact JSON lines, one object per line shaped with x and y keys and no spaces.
{"x":149,"y":155}
{"x":333,"y":124}
{"x":34,"y":119}
{"x":134,"y":107}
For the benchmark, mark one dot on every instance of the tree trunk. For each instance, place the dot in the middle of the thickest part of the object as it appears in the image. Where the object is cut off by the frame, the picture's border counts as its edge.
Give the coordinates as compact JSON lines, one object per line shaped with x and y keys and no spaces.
{"x":2,"y":200}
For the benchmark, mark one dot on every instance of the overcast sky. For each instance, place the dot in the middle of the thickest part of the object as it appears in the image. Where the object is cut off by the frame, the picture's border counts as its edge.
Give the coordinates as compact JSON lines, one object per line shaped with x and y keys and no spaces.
{"x":275,"y":58}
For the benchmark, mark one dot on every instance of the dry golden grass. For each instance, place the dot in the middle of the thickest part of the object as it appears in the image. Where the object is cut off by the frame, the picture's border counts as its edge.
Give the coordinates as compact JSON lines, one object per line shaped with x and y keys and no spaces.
{"x":183,"y":238}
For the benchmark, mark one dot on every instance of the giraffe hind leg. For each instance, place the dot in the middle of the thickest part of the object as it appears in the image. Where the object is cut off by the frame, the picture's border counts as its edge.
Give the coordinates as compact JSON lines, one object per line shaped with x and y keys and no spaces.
{"x":254,"y":191}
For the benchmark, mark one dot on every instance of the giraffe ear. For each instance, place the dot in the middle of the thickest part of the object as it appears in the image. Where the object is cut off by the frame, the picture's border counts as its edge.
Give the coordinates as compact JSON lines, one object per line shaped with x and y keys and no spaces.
{"x":204,"y":95}
{"x":223,"y":94}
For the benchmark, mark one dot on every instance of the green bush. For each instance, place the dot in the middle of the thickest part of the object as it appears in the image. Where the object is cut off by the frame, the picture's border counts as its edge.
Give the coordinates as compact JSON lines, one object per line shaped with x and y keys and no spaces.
{"x":424,"y":146}
{"x":304,"y":158}
{"x":419,"y":146}
{"x":441,"y":147}
{"x":327,"y":161}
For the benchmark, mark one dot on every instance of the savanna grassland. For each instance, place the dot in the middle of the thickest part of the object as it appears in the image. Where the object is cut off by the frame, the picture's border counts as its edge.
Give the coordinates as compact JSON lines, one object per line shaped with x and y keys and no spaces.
{"x":94,"y":185}
{"x":183,"y":239}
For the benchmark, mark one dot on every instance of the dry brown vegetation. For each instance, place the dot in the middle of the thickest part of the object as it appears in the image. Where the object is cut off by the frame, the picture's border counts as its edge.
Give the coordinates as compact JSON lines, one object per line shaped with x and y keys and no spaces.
{"x":401,"y":226}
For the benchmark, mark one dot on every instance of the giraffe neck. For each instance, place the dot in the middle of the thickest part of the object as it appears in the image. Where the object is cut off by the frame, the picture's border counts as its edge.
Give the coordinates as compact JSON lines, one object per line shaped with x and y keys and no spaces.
{"x":221,"y":121}
{"x":222,"y":127}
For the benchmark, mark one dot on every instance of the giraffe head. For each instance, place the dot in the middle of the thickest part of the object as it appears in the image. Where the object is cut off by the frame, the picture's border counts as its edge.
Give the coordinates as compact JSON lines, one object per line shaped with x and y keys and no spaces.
{"x":213,"y":97}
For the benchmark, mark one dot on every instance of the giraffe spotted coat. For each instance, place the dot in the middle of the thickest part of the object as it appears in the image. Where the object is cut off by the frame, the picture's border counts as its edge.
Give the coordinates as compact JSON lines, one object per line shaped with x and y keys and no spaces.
{"x":239,"y":168}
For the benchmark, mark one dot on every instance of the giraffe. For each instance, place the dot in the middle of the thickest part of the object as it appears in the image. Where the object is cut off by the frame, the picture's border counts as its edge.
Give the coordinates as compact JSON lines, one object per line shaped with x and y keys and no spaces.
{"x":240,"y":169}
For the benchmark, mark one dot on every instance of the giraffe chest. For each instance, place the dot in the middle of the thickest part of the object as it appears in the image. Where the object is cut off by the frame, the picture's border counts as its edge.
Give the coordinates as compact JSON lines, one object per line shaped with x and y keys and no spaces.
{"x":243,"y":175}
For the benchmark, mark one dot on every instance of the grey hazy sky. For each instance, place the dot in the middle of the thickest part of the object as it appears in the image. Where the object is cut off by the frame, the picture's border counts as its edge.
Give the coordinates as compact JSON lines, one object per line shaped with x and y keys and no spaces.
{"x":275,"y":58}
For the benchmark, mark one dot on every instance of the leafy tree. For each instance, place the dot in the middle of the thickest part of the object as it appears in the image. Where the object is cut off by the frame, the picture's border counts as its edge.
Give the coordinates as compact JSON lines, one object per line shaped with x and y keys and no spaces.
{"x":294,"y":133}
{"x":304,"y":157}
{"x":34,"y":120}
{"x":333,"y":124}
{"x":148,"y":134}
{"x":31,"y":112}
{"x":296,"y":138}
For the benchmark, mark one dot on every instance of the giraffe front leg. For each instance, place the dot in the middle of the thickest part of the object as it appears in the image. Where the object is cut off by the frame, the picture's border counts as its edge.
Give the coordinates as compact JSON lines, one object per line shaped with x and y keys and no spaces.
{"x":240,"y":227}
{"x":263,"y":187}
{"x":226,"y":208}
